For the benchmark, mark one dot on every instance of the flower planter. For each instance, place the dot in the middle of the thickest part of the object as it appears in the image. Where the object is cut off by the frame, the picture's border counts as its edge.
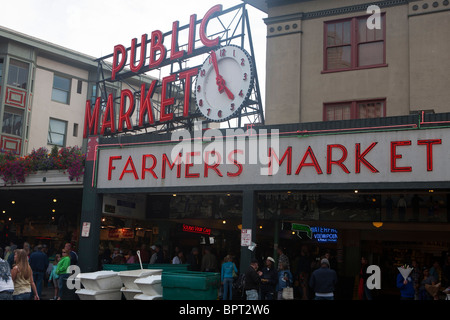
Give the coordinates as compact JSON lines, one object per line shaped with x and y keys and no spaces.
{"x":49,"y":178}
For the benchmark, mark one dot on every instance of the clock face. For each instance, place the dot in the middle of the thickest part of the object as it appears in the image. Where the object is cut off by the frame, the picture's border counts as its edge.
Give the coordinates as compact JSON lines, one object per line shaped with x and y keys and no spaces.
{"x":224,"y":83}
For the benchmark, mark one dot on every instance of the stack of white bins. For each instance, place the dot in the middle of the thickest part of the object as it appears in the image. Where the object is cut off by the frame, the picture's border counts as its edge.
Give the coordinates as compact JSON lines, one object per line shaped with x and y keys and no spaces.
{"x":128,"y":277}
{"x":100,"y":285}
{"x":150,"y":286}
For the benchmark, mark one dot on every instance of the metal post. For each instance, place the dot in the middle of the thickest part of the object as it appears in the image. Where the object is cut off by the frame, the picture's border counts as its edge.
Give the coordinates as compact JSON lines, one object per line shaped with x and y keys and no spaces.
{"x":249,"y":201}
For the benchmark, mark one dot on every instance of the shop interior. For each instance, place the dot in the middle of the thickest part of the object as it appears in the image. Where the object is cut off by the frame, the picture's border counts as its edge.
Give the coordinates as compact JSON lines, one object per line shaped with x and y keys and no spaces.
{"x":345,"y":225}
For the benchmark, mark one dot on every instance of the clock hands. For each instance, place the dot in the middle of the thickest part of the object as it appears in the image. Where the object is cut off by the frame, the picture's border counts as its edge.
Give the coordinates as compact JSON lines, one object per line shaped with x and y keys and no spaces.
{"x":219,"y":79}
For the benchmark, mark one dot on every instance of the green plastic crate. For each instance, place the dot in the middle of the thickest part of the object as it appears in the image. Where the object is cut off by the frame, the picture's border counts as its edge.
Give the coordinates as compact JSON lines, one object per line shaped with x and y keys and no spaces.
{"x":115,"y":267}
{"x":167,"y":267}
{"x":190,"y":285}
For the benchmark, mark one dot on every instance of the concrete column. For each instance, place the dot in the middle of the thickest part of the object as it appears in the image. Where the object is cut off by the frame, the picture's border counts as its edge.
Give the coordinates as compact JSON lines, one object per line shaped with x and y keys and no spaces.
{"x":91,"y":212}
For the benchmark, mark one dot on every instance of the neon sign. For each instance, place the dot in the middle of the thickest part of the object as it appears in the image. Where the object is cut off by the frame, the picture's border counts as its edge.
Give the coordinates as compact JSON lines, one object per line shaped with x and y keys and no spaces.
{"x":196,"y":229}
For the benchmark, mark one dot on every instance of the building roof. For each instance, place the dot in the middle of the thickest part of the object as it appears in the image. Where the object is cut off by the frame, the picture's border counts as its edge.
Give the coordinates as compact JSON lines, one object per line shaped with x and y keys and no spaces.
{"x":49,"y":49}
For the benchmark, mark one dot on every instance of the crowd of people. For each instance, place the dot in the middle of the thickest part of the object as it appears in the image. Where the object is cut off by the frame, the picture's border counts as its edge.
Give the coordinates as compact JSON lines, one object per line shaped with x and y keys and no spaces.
{"x":25,"y":270}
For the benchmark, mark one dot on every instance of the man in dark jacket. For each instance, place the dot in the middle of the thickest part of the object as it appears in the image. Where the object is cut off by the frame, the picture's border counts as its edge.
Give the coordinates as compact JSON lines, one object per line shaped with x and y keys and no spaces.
{"x":269,"y":280}
{"x":252,"y":280}
{"x":38,"y":264}
{"x":323,"y":281}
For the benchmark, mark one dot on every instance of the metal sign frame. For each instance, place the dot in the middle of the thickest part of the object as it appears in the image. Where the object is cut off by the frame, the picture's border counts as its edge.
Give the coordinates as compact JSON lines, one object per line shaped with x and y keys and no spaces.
{"x":235,"y":30}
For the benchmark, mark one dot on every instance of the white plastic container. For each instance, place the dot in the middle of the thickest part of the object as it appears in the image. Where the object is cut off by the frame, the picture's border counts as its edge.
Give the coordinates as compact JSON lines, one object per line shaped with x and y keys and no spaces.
{"x":100,"y":280}
{"x":129,"y":276}
{"x":130,"y":293}
{"x":150,"y":285}
{"x":85,"y":294}
{"x":146,"y":297}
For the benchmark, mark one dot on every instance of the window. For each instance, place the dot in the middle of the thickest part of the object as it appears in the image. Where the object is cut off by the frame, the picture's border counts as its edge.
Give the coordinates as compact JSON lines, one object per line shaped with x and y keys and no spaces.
{"x":75,"y":130}
{"x":349,"y":44}
{"x":18,"y":74}
{"x":12,"y":121}
{"x":79,"y":86}
{"x":354,"y":110}
{"x":57,"y":132}
{"x":61,"y":89}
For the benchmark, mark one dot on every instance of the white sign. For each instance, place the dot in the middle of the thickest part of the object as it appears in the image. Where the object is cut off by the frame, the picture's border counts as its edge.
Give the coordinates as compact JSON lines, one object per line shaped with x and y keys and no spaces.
{"x":85,"y":230}
{"x":246,"y":237}
{"x":375,"y":157}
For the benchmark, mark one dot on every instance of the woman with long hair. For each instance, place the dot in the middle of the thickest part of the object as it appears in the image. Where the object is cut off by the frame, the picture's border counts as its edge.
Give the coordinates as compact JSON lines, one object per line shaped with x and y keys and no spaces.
{"x":22,"y":277}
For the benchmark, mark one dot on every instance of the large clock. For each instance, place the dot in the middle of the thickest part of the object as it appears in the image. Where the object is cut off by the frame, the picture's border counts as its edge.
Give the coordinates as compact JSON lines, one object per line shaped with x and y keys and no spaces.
{"x":224,"y":83}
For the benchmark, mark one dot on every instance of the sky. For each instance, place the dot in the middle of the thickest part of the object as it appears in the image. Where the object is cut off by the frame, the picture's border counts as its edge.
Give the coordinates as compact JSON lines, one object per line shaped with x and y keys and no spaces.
{"x":94,"y":27}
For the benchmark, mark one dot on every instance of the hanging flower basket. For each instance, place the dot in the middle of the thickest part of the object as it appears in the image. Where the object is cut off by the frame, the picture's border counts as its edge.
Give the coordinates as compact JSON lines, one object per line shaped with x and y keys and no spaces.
{"x":57,"y":167}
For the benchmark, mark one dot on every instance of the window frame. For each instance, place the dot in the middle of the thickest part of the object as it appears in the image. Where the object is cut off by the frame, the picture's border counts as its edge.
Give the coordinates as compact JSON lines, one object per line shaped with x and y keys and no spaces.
{"x":354,"y":112}
{"x":15,"y":83}
{"x":354,"y":43}
{"x":62,"y":90}
{"x":49,"y":132}
{"x":14,"y":113}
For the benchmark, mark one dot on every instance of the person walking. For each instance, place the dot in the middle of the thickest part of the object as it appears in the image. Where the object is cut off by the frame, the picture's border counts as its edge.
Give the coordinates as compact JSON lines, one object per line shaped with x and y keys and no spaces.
{"x":269,"y":279}
{"x":71,"y":253}
{"x":22,"y":276}
{"x":54,"y":277}
{"x":323,"y":281}
{"x":209,"y":261}
{"x":252,"y":280}
{"x":226,"y":275}
{"x":38,"y":264}
{"x":6,"y":282}
{"x":406,"y":286}
{"x":62,"y":271}
{"x":363,"y":291}
{"x":194,"y":260}
{"x":282,"y":258}
{"x":285,"y":279}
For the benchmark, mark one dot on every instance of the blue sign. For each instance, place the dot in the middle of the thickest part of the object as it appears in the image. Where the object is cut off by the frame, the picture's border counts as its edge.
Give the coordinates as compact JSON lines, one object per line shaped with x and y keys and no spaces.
{"x":322,"y":234}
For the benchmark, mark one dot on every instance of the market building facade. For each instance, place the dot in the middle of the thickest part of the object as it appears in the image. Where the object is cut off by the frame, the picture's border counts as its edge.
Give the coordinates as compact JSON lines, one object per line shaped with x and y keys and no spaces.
{"x":351,"y":159}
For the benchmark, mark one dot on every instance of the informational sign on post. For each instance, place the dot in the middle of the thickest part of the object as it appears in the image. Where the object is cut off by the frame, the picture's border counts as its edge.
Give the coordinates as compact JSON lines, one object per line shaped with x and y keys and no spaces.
{"x":86,"y":229}
{"x":246,"y":237}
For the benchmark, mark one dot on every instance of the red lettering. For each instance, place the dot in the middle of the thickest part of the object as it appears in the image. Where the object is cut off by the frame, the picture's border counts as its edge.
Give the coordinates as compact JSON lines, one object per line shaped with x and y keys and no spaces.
{"x":91,"y":120}
{"x":287,"y":155}
{"x":145,"y":169}
{"x":165,"y":101}
{"x":132,"y":170}
{"x":339,"y":162}
{"x":187,"y":76}
{"x":395,"y":156}
{"x":174,"y":53}
{"x":143,"y":54}
{"x":188,"y":165}
{"x":118,"y":66}
{"x":191,"y":40}
{"x":156,"y":46}
{"x":165,"y":160}
{"x":359,"y":158}
{"x":215,"y":165}
{"x":146,"y":105}
{"x":309,"y":153}
{"x":110,"y":166}
{"x":429,"y":144}
{"x":203,"y":37}
{"x":125,"y":116}
{"x":109,"y":113}
{"x":236,"y":163}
